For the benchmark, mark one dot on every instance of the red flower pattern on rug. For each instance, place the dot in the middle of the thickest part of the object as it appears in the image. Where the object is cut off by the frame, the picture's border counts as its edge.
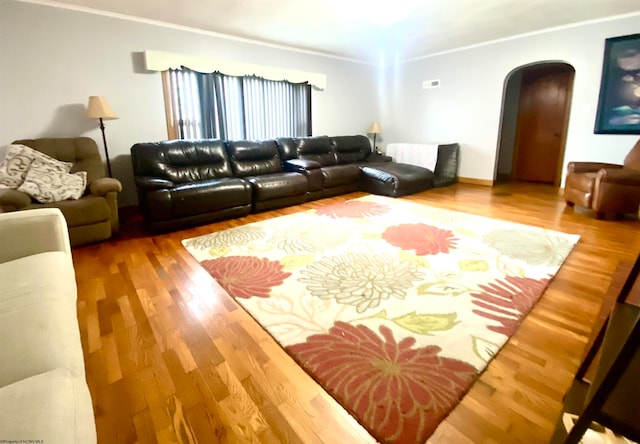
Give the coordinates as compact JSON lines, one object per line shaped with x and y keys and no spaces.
{"x":353,"y":208}
{"x":399,"y":393}
{"x":508,"y":300}
{"x":424,"y":239}
{"x":246,"y":276}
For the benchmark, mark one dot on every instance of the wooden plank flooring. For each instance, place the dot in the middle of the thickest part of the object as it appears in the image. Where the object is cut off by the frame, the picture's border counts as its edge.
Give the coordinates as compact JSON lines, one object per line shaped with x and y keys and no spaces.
{"x":171,"y":358}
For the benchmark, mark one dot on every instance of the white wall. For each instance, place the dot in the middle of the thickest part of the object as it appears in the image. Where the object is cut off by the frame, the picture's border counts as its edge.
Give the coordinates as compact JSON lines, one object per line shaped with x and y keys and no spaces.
{"x":466,"y":108}
{"x":54,"y":59}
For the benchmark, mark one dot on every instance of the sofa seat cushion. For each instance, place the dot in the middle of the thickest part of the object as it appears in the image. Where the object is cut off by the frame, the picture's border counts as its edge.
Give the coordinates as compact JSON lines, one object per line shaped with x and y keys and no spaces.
{"x":209,"y":195}
{"x":275,"y":186}
{"x":38,"y":321}
{"x":339,"y":175}
{"x":198,"y":198}
{"x":396,"y":179}
{"x":54,"y":406}
{"x":87,"y":210}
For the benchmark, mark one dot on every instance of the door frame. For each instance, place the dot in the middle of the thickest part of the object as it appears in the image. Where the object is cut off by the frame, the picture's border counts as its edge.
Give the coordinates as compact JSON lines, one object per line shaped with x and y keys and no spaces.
{"x":504,"y":144}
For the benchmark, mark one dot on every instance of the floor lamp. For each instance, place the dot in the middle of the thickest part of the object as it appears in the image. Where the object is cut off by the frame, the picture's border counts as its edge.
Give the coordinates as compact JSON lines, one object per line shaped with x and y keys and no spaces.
{"x":98,"y":108}
{"x":375,"y":130}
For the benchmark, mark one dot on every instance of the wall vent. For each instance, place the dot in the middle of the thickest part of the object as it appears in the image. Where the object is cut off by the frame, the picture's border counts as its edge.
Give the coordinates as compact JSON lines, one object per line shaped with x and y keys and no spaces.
{"x":427,"y":84}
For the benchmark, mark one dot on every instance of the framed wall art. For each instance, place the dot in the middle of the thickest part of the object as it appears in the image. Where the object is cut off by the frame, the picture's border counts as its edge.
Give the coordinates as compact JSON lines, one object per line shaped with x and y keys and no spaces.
{"x":619,"y":101}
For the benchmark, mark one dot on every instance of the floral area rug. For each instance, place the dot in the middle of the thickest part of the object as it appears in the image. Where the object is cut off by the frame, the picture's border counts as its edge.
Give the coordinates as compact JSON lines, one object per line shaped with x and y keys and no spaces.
{"x":393,"y":307}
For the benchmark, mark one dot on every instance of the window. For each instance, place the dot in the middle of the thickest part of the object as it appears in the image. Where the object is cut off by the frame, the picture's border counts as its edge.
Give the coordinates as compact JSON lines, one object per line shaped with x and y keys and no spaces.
{"x":182,"y":104}
{"x":215,"y":105}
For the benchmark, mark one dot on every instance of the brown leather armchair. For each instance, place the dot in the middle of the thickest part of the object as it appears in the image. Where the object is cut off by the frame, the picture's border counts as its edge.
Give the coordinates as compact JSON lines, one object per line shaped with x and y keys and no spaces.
{"x":605,"y":187}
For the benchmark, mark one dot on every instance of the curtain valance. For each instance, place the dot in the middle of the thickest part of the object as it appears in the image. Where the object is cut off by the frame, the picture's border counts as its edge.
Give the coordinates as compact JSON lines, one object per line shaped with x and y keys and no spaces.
{"x":162,"y":61}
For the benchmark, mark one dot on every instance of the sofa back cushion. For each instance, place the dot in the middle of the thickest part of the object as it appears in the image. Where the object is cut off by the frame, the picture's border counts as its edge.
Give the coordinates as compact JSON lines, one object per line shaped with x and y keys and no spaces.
{"x":349,"y":149}
{"x":82,"y":152}
{"x":308,"y":148}
{"x":181,"y":161}
{"x":447,"y":163}
{"x":287,"y":148}
{"x":249,"y":158}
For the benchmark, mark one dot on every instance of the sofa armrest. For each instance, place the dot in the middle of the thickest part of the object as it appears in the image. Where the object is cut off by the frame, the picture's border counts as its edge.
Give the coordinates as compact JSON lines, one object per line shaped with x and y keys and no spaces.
{"x":619,"y":176}
{"x":300,"y":165}
{"x":27,"y":232}
{"x":589,"y":167}
{"x":105,"y":185}
{"x":11,"y":200}
{"x":151,"y":183}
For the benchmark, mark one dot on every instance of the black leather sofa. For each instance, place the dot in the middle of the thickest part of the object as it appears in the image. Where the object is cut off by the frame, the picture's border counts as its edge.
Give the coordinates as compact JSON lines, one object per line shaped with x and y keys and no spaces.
{"x":191,"y":182}
{"x":259,"y":164}
{"x":332,"y":165}
{"x":182,"y":183}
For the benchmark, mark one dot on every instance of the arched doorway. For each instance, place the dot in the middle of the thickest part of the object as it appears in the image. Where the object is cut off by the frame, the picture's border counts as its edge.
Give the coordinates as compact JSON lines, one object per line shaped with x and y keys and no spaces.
{"x":535,"y":117}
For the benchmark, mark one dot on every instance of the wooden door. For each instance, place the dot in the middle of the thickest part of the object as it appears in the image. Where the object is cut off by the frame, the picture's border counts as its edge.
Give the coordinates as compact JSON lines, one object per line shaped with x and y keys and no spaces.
{"x":542,"y":123}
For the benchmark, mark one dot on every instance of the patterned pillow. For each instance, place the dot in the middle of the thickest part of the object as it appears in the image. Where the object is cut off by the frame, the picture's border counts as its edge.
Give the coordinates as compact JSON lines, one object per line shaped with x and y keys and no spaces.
{"x":46,"y":184}
{"x":17,"y":159}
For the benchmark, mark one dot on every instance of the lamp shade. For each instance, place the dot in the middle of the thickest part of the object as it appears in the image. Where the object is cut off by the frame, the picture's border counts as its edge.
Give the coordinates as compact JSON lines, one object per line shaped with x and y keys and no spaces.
{"x":98,"y":108}
{"x":374,"y":128}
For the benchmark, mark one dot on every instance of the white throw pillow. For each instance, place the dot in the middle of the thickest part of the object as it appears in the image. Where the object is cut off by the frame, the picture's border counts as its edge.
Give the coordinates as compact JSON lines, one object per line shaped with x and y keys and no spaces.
{"x":17,"y":160}
{"x":47,"y":184}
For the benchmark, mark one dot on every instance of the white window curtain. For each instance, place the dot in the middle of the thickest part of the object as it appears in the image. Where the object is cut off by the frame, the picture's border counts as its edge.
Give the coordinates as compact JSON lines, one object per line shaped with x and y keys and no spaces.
{"x":184,"y":114}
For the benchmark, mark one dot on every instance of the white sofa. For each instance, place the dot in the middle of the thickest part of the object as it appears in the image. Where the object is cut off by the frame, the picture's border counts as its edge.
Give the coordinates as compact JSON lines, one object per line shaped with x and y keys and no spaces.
{"x":43,"y":391}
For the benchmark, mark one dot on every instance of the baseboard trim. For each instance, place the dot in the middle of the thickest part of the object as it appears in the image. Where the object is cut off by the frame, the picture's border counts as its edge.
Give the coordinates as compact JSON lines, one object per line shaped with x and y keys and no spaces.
{"x":474,"y":181}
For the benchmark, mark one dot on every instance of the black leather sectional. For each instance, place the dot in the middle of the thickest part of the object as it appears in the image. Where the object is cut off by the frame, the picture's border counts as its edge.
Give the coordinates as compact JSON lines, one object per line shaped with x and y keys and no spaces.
{"x":190,"y":182}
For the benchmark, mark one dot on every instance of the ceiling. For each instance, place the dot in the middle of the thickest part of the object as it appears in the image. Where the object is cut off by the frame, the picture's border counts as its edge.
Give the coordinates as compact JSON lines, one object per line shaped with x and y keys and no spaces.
{"x":377,"y":31}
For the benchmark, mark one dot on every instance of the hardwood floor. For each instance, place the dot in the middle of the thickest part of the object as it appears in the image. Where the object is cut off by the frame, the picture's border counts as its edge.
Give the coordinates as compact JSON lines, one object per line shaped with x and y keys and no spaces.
{"x":171,"y":358}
